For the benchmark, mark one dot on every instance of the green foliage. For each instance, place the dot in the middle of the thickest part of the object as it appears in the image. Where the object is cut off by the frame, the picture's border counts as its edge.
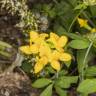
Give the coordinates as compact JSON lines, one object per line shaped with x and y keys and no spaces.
{"x":87,"y":86}
{"x":27,"y":67}
{"x":80,"y":59}
{"x":90,"y":71}
{"x":81,"y":6}
{"x":66,"y":81}
{"x":47,"y":91}
{"x":60,"y":91}
{"x":39,"y":83}
{"x":79,"y":44}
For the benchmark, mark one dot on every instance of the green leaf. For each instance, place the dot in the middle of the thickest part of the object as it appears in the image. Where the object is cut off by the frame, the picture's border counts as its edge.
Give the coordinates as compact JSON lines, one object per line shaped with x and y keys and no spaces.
{"x":87,"y":86}
{"x":49,"y":69}
{"x":79,"y":44}
{"x":42,"y":82}
{"x":93,"y":10}
{"x":47,"y":91}
{"x":90,"y":71}
{"x":63,"y":72}
{"x":66,"y":81}
{"x":68,"y":63}
{"x":61,"y":31}
{"x":65,"y":13}
{"x":81,"y":56}
{"x":27,"y":67}
{"x":60,"y":91}
{"x":80,"y":59}
{"x":80,"y":6}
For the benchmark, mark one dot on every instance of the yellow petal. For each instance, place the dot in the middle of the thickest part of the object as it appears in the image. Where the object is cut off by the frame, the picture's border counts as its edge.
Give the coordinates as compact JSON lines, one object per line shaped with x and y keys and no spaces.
{"x":39,"y":41}
{"x":62,"y":41}
{"x":65,"y":57}
{"x":53,"y":42}
{"x":82,"y":22}
{"x":43,"y":35}
{"x":53,"y":35}
{"x":44,"y":60}
{"x":44,"y":50}
{"x":40,"y":64}
{"x":25,"y":49}
{"x":34,"y":48}
{"x":33,"y":36}
{"x":60,"y":49}
{"x":56,"y":65}
{"x":55,"y":55}
{"x":38,"y":67}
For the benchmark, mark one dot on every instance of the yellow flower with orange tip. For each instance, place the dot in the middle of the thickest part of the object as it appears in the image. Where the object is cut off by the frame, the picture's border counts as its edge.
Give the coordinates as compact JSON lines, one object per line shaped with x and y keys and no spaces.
{"x":48,"y":49}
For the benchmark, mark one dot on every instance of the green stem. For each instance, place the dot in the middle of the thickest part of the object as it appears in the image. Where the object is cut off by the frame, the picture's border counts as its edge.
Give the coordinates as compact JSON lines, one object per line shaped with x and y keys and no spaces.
{"x":85,"y":58}
{"x":57,"y":74}
{"x":75,"y":20}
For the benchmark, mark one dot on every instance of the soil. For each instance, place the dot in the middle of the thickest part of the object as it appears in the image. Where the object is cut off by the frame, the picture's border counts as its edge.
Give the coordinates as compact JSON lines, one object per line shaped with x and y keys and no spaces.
{"x":15,"y":84}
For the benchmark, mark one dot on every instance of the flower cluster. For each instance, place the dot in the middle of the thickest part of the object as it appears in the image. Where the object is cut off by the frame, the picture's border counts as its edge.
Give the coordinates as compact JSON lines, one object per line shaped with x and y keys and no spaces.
{"x":48,"y":49}
{"x":84,"y":23}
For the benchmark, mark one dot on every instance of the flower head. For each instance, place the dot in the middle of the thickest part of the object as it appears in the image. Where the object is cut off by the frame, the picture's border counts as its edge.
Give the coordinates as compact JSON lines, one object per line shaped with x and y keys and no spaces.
{"x":49,"y":49}
{"x":82,"y":22}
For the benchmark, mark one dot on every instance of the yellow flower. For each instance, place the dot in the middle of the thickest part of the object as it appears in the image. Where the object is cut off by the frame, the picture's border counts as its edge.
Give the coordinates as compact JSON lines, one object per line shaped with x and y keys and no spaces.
{"x":55,"y":55}
{"x":40,"y":44}
{"x":58,"y":42}
{"x":35,"y":41}
{"x":65,"y":57}
{"x":40,"y":64}
{"x":44,"y":50}
{"x":33,"y":49}
{"x":43,"y":35}
{"x":93,"y":30}
{"x":53,"y":59}
{"x":54,"y":36}
{"x":25,"y":49}
{"x":56,"y":65}
{"x":33,"y":36}
{"x":82,"y":22}
{"x":62,"y":41}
